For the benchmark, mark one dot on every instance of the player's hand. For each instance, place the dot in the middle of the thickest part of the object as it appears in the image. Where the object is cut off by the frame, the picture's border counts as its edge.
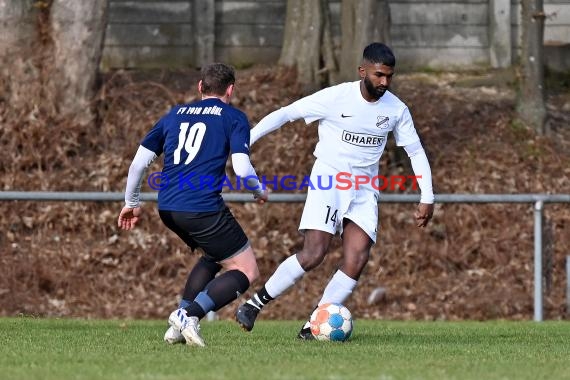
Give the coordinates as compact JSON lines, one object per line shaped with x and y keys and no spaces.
{"x":263,"y":197}
{"x":423,"y":214}
{"x":129,"y":217}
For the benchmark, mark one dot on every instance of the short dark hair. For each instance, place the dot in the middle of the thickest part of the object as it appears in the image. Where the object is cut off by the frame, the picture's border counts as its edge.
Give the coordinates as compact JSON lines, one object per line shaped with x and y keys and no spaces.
{"x":216,"y":78}
{"x":378,"y":52}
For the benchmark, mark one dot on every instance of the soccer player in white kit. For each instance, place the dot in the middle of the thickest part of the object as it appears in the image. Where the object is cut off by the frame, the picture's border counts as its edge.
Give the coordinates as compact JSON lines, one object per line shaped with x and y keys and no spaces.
{"x":354,"y":121}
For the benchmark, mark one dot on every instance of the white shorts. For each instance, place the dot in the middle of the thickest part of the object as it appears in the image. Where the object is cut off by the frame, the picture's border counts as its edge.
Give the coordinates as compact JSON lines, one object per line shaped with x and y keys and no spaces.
{"x":326,"y":206}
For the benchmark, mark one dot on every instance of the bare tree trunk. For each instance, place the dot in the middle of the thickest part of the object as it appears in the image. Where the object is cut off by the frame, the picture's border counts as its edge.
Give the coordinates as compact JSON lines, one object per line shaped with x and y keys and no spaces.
{"x":362,"y":22}
{"x":78,"y":32}
{"x":327,"y":47}
{"x":16,"y":24}
{"x":302,"y":41}
{"x":530,"y":107}
{"x":50,"y":54}
{"x":18,"y":32}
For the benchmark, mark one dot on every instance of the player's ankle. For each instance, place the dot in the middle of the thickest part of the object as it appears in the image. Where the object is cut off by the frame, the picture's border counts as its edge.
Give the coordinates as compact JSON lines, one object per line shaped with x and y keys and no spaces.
{"x":253,"y":303}
{"x":261,"y":298}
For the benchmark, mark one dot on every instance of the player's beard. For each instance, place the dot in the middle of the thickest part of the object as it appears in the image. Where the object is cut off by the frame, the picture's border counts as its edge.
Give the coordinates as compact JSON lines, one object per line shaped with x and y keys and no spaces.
{"x":375,"y":92}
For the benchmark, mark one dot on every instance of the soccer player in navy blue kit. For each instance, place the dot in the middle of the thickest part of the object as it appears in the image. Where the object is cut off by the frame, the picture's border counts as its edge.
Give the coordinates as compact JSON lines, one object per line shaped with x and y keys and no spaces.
{"x":196,"y":140}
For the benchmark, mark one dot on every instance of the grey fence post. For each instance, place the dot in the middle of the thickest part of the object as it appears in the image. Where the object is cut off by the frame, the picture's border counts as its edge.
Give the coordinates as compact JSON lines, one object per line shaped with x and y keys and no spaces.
{"x":568,"y":286}
{"x":538,"y":206}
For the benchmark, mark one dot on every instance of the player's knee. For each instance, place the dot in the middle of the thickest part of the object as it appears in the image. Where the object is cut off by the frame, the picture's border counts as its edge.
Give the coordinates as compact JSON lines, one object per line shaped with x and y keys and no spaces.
{"x":247,"y":264}
{"x":310,"y":259}
{"x":252,"y":273}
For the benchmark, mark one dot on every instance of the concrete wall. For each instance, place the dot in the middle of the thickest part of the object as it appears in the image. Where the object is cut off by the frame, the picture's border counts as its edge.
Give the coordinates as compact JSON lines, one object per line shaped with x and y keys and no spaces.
{"x":440,"y":34}
{"x":425,"y":33}
{"x":149,"y":34}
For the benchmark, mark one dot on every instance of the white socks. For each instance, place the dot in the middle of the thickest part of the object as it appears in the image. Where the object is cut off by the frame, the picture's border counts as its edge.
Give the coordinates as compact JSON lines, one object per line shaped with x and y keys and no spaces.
{"x":338,"y":289}
{"x":288,"y":272}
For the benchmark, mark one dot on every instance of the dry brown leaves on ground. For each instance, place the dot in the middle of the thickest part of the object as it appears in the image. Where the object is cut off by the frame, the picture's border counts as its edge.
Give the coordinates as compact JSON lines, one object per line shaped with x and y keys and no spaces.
{"x":472,"y":262}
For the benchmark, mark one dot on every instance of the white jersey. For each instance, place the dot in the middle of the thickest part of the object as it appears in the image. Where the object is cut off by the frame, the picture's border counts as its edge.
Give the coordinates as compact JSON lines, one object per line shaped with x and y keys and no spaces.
{"x":353,"y":131}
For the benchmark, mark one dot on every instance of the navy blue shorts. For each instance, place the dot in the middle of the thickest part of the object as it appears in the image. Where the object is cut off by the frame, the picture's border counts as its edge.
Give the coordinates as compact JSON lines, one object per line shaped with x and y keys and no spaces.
{"x":217,"y":233}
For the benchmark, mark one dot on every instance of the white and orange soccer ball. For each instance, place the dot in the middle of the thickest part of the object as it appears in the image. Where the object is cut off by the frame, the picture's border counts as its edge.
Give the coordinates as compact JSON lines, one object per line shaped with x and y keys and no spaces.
{"x":331,"y":321}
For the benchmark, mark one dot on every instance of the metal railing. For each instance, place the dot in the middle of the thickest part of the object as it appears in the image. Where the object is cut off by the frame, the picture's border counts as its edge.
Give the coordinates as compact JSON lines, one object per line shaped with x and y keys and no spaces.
{"x":537,"y":199}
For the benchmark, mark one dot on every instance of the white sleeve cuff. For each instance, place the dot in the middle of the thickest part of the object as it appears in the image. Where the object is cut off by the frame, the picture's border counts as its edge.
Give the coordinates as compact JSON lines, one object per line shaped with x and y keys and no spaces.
{"x":143,"y":158}
{"x":414,"y":148}
{"x":422,"y":171}
{"x":243,"y":168}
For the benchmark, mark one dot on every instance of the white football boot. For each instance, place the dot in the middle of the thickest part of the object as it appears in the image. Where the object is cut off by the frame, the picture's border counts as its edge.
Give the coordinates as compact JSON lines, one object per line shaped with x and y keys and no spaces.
{"x":189,"y":327}
{"x":173,"y":336}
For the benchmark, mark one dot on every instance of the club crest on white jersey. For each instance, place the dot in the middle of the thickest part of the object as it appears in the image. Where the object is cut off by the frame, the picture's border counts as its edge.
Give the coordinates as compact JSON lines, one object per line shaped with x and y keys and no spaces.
{"x":382,"y":122}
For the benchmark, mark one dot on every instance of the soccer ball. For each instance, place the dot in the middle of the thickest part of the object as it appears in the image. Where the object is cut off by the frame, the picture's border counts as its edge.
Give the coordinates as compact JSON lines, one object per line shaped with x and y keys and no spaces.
{"x":331,"y":321}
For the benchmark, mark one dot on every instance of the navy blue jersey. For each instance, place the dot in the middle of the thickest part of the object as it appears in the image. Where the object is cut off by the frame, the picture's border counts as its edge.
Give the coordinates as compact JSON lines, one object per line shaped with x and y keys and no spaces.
{"x":196,"y":140}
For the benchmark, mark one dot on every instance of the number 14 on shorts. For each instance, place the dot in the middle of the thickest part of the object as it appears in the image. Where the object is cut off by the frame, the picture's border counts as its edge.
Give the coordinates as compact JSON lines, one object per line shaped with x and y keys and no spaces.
{"x":331,"y":216}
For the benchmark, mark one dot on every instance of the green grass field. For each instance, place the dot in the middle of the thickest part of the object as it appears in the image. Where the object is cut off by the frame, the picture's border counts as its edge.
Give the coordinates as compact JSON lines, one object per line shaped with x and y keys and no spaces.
{"x":33,"y":348}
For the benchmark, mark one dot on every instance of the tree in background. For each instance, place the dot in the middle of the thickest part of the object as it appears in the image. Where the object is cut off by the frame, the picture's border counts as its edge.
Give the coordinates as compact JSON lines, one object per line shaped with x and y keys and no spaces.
{"x":308,"y":43}
{"x":19,"y":73}
{"x":362,"y":22}
{"x":50,"y":53}
{"x":530,"y":105}
{"x":305,"y":24}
